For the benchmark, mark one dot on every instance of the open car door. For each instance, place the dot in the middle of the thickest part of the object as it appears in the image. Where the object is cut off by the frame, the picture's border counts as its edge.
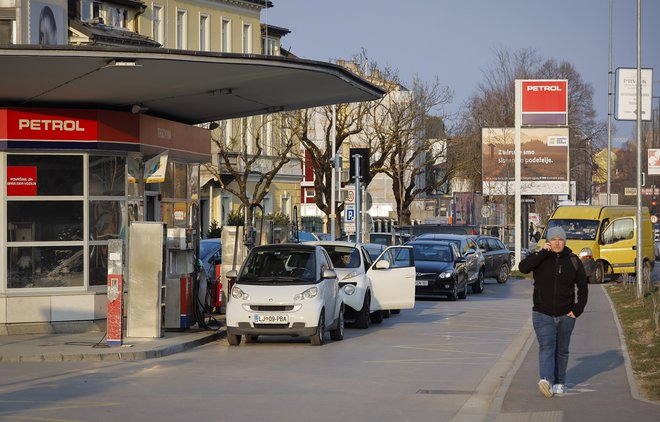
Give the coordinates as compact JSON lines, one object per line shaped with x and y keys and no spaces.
{"x":393,"y":279}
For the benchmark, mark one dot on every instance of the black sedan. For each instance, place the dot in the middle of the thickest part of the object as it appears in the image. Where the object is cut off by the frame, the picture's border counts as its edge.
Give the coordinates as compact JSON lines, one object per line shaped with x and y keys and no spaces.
{"x":440,"y":269}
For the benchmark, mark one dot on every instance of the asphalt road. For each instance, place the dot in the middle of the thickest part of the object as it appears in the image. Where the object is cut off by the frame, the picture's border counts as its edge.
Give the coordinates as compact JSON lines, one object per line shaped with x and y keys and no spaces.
{"x":440,"y":361}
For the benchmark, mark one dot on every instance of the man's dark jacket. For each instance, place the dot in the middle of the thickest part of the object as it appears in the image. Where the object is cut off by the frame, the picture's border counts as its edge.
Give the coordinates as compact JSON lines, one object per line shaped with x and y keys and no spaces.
{"x":555,"y":278}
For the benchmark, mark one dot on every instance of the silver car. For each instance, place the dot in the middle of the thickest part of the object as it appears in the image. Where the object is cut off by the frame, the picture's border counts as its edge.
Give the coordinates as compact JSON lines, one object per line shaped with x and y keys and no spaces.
{"x":475,"y":262}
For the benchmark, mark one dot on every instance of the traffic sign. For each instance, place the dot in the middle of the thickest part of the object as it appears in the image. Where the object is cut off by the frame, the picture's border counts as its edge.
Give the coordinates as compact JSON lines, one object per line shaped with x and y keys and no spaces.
{"x":350,"y":195}
{"x":349,"y":218}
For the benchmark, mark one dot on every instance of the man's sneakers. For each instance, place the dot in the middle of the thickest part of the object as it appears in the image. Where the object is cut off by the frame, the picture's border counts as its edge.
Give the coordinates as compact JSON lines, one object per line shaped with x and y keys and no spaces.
{"x":546,"y":388}
{"x":559,"y":389}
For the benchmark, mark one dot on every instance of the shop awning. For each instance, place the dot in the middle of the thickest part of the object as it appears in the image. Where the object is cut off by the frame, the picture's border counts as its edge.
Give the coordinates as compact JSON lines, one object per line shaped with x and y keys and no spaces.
{"x":184,"y":86}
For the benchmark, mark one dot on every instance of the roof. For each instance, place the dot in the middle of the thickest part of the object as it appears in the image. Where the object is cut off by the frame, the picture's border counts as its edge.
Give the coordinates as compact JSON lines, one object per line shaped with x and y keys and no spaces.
{"x":184,"y":86}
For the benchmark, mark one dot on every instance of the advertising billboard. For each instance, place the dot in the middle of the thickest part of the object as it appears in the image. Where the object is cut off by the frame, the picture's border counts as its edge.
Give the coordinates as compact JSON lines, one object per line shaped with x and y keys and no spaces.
{"x":626,"y":94}
{"x":544,"y":161}
{"x":49,"y":24}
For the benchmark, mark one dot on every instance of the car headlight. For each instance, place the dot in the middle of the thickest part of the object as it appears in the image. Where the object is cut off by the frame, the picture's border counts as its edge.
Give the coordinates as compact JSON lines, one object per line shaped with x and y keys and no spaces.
{"x":349,"y":289}
{"x":237,"y":293}
{"x":445,"y":275}
{"x":307,"y":294}
{"x":586,"y":253}
{"x":352,"y":274}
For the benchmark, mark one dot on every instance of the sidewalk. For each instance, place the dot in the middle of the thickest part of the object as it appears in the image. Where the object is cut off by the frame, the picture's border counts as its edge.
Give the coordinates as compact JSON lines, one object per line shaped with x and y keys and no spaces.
{"x":91,"y":346}
{"x":599,"y":377}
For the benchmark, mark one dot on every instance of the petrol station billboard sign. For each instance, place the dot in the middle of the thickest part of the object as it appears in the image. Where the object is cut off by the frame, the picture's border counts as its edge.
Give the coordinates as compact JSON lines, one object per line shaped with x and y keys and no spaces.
{"x":544,"y":102}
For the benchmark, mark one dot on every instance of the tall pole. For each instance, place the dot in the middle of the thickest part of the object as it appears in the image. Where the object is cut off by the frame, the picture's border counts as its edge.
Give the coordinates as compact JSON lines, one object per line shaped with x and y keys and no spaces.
{"x":609,"y":118}
{"x":517,"y":174}
{"x":638,"y":268}
{"x":358,"y":200}
{"x":333,"y":194}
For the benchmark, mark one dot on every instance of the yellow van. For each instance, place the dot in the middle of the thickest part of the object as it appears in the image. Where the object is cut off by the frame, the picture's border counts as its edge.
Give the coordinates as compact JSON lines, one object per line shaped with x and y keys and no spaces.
{"x":605,"y":238}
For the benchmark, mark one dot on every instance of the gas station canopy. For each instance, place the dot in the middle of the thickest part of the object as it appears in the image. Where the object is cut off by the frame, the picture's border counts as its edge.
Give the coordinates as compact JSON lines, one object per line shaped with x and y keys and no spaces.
{"x":184,"y":86}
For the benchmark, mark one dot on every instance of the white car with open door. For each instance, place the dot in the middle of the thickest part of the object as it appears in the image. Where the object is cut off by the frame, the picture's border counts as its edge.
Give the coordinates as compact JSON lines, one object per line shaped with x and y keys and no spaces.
{"x":285,"y":289}
{"x":372,"y":288}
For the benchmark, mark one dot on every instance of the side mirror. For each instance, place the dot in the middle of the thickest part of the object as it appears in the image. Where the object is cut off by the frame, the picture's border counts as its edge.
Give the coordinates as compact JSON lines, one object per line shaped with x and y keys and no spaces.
{"x":470,"y":251}
{"x":329,"y":274}
{"x":382,"y":265}
{"x":232,"y":274}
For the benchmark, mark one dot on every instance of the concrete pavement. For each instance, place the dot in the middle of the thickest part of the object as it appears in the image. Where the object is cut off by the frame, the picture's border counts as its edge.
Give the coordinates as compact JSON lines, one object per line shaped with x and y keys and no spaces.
{"x":599,"y":374}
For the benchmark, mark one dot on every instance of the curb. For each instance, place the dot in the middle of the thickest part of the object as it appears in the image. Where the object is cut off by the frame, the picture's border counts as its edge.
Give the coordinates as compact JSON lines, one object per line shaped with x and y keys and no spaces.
{"x":156,"y":352}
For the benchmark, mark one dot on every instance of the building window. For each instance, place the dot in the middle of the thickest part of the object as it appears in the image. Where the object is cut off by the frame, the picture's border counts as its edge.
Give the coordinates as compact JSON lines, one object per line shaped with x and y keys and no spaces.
{"x":157,"y":31}
{"x":181,"y":29}
{"x":204,"y":42}
{"x":118,"y":17}
{"x":247,"y":38}
{"x":45,"y":214}
{"x":270,"y":46}
{"x":226,"y":36}
{"x":7,"y":31}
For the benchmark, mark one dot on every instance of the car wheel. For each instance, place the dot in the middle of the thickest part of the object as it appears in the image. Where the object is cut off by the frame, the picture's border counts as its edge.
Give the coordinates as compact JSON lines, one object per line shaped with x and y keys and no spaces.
{"x":363,"y":319}
{"x":251,"y":338}
{"x":337,"y":333}
{"x":503,"y":276}
{"x":478,"y":286}
{"x":463,"y":293}
{"x":396,"y":311}
{"x":317,"y":338}
{"x":386,"y":313}
{"x":376,"y":317}
{"x":233,"y":339}
{"x":598,"y":274}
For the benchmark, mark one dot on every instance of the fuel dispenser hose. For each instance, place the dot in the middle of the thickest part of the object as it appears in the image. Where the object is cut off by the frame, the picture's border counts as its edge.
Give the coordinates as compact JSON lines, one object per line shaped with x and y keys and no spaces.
{"x":204,"y":318}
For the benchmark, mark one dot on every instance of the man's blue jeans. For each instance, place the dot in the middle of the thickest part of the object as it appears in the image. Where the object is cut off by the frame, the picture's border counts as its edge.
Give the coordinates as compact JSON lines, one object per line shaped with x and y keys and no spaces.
{"x":554,"y":337}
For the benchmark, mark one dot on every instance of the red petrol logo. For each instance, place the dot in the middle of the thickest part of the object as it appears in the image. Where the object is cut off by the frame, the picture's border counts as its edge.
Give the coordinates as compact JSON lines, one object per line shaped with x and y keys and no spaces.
{"x":549,"y":96}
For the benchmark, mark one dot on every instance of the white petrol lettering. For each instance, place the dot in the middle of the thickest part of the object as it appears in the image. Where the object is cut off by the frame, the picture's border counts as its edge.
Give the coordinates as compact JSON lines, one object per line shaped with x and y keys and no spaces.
{"x":50,"y":124}
{"x":541,"y":88}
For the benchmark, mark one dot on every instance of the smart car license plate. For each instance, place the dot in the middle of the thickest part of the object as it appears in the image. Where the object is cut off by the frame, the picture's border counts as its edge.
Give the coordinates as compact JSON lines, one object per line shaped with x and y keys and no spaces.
{"x":271,"y":319}
{"x":421,"y":282}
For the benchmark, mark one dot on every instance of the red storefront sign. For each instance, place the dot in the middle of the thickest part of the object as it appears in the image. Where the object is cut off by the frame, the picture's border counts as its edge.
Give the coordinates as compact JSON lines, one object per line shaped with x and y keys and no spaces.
{"x":65,"y":125}
{"x":21,"y":180}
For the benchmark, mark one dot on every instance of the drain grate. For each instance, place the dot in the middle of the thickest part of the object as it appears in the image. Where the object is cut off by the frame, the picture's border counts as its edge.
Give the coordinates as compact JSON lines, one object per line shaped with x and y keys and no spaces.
{"x":444,"y":392}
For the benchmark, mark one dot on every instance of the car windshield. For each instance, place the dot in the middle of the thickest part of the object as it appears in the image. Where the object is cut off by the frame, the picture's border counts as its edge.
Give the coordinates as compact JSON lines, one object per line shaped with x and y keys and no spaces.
{"x":343,"y":256}
{"x":576,"y":229}
{"x":274,"y":265}
{"x":437,"y":253}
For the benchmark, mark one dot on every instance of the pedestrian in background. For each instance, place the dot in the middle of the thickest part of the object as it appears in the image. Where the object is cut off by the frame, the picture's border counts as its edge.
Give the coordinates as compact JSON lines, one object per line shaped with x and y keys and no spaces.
{"x":557,"y":274}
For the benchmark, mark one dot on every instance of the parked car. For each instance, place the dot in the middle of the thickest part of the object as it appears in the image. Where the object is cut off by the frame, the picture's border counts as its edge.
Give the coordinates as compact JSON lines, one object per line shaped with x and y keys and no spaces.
{"x":285,"y":289}
{"x":210,"y":252}
{"x":374,"y":249}
{"x":306,"y":237}
{"x":498,"y":258}
{"x":441,"y":269}
{"x":389,"y":238}
{"x":372,"y":287}
{"x":475,"y":262}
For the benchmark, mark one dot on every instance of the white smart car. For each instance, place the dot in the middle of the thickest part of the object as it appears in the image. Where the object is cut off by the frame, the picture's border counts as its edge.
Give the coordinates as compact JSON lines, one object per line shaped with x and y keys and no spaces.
{"x":372,"y":288}
{"x":285,"y":289}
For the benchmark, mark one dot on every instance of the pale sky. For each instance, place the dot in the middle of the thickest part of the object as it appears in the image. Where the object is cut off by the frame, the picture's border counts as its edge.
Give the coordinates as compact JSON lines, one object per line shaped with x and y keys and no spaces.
{"x":456,"y":40}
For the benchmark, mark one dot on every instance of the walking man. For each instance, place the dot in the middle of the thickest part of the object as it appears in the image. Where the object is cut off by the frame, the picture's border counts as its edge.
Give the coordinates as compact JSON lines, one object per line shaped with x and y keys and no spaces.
{"x":557,"y":273}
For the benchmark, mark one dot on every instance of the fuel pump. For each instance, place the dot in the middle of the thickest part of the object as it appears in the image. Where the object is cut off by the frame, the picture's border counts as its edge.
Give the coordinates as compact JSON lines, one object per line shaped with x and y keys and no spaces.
{"x":179,"y":268}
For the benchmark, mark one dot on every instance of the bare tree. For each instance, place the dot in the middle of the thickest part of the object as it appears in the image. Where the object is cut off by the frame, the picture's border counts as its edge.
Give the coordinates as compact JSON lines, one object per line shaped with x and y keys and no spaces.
{"x":252,"y":152}
{"x":399,"y":134}
{"x":493,"y":106}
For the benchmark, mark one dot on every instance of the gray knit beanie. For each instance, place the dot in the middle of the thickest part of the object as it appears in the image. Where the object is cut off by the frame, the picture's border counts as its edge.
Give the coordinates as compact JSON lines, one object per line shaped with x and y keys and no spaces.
{"x":556,"y":232}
